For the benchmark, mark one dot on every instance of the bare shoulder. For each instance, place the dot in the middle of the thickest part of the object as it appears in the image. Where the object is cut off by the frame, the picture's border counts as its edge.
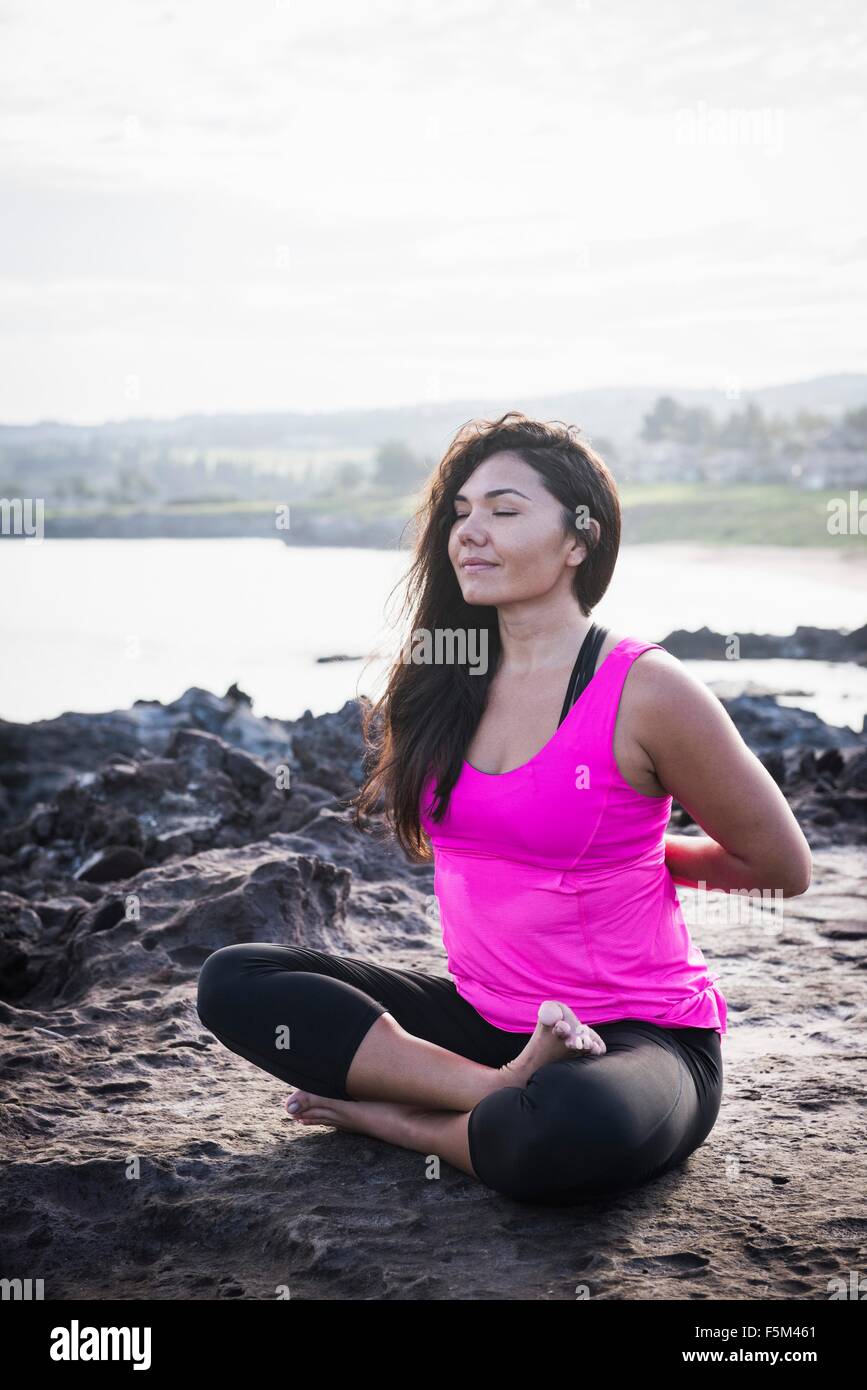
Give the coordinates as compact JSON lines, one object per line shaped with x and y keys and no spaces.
{"x":667,"y":708}
{"x":660,"y":684}
{"x":654,"y":671}
{"x":656,"y":668}
{"x":671,"y":730}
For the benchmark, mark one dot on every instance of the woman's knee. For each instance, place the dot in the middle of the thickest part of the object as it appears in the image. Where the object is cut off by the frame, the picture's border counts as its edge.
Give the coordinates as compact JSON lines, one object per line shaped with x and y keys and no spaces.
{"x":224,"y":978}
{"x":238,"y":982}
{"x":218,"y":978}
{"x":563,"y":1137}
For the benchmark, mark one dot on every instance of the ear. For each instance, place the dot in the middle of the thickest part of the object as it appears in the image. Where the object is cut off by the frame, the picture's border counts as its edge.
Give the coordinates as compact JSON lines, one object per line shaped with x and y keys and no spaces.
{"x":584,"y":523}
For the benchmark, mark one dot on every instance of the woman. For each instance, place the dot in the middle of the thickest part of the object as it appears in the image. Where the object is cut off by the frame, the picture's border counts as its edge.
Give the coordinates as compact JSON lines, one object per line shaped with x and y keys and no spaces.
{"x":577,"y":1049}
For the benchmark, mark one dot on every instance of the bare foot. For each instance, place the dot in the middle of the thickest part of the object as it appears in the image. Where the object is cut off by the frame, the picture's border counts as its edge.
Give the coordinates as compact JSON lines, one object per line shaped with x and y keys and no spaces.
{"x":378,"y":1118}
{"x":441,"y":1132}
{"x":559,"y":1033}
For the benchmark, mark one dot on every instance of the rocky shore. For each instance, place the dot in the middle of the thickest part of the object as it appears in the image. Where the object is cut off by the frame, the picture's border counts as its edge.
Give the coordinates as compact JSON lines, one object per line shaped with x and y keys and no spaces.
{"x":804,"y":644}
{"x":134,"y":843}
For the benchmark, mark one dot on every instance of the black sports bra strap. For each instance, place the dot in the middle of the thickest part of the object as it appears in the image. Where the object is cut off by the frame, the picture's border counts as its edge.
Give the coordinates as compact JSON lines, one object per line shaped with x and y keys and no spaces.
{"x":584,"y":668}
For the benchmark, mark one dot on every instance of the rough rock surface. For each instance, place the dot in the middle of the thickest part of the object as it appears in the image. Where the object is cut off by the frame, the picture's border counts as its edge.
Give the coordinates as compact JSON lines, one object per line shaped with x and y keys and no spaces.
{"x":143,"y":1159}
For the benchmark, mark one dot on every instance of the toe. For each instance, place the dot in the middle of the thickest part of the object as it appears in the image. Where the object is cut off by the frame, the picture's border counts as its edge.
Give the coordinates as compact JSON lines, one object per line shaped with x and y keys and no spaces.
{"x":550,"y":1013}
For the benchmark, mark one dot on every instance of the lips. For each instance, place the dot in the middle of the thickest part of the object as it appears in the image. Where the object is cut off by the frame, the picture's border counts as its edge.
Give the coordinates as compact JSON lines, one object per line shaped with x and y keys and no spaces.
{"x":477,"y":565}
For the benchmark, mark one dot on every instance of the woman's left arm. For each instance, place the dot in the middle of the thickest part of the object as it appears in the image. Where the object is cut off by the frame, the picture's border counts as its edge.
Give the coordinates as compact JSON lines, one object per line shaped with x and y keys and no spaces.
{"x":752,"y":839}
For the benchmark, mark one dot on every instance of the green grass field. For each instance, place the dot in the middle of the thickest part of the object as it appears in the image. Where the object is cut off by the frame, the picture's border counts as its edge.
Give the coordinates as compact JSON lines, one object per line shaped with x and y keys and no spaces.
{"x":740,"y":515}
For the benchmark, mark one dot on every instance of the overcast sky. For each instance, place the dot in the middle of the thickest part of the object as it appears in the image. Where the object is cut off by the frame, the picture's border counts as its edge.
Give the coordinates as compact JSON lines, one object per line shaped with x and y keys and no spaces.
{"x":276,"y":205}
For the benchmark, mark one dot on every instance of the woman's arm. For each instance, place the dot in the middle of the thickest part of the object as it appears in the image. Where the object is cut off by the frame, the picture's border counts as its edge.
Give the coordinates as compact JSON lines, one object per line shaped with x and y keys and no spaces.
{"x":752,"y":840}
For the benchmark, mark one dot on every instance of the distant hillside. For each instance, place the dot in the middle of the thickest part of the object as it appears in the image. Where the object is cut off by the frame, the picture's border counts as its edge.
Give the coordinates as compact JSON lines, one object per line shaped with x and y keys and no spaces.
{"x":612,"y":413}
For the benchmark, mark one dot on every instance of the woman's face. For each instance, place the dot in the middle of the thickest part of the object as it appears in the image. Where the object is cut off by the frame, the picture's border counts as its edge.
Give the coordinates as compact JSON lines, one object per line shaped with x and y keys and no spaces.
{"x":509,"y":524}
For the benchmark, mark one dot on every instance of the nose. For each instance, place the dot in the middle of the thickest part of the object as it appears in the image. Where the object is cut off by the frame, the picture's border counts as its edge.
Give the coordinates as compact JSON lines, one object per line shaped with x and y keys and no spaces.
{"x":470,"y":528}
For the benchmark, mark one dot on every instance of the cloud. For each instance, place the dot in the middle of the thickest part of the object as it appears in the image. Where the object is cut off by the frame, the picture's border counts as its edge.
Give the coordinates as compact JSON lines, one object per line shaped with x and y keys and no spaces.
{"x":323,"y":176}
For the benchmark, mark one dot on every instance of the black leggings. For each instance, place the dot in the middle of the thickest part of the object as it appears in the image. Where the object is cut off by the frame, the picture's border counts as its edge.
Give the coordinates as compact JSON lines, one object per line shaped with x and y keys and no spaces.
{"x":583,"y":1126}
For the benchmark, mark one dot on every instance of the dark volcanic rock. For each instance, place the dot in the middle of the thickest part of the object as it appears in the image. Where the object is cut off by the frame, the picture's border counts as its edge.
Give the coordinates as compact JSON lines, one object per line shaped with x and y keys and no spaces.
{"x":200,"y":793}
{"x":169,"y":919}
{"x":37,"y":759}
{"x":148,"y":863}
{"x":768,"y":726}
{"x":804,"y":644}
{"x":112,"y":863}
{"x":22,"y":941}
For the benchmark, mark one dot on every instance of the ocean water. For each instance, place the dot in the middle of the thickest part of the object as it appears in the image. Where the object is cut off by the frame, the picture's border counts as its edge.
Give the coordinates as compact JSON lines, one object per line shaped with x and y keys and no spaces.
{"x":96,"y":624}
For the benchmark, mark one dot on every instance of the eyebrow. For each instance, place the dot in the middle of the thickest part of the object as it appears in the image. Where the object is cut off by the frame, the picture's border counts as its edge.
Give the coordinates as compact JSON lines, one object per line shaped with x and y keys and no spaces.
{"x":495,"y":492}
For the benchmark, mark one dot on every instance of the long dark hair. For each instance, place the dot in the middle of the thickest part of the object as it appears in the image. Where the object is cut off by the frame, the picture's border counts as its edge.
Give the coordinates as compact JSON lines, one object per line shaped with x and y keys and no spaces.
{"x":429,"y":712}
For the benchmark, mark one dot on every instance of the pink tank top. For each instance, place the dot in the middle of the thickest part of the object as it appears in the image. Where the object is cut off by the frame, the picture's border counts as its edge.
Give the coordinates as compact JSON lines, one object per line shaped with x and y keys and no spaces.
{"x":552,"y":884}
